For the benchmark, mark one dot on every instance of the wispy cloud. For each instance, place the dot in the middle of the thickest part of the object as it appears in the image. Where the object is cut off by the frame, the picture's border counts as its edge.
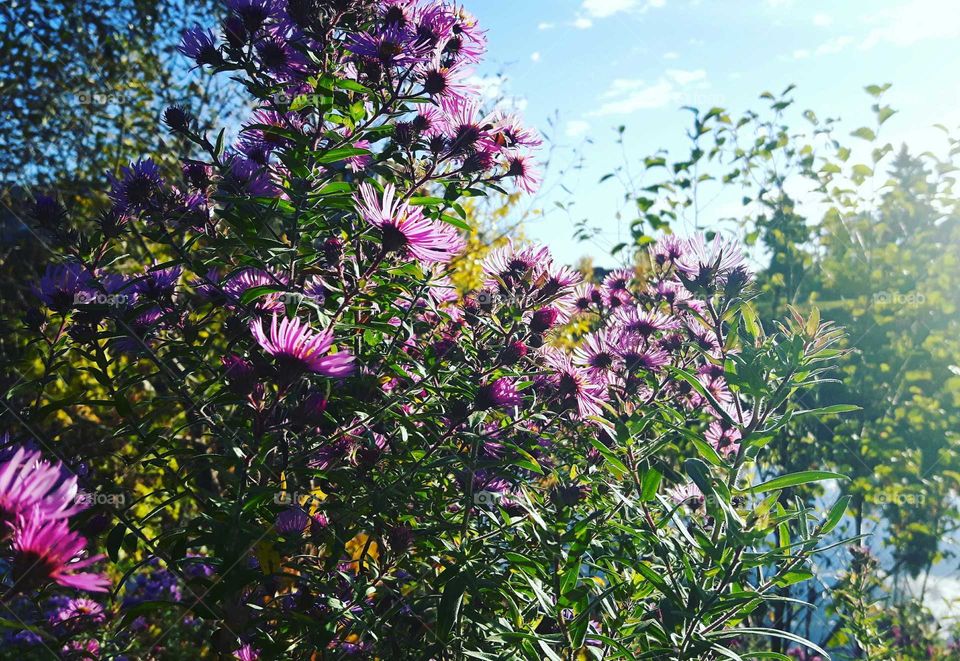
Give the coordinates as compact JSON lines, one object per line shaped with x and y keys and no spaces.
{"x":628,"y":95}
{"x":671,"y":55}
{"x":546,"y":25}
{"x":535,"y":56}
{"x":829,"y":47}
{"x":593,"y":9}
{"x":493,"y":90}
{"x":913,"y":22}
{"x":577,"y":128}
{"x":822,"y":20}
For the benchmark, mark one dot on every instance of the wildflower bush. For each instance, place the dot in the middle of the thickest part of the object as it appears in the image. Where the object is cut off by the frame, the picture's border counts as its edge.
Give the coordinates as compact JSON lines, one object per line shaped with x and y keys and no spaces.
{"x":296,"y":440}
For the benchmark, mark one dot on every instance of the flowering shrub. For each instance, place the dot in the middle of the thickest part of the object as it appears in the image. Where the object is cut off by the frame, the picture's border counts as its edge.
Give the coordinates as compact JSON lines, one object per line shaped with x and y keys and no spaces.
{"x":320,"y":450}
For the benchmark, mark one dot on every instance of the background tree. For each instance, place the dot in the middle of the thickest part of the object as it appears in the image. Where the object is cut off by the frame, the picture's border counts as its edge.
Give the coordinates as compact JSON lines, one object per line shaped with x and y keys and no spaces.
{"x":871,"y":246}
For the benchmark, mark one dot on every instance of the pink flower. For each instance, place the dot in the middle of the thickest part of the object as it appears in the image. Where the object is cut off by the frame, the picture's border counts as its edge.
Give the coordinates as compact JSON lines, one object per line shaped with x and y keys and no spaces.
{"x":524,"y":173}
{"x":598,"y":354}
{"x":28,"y":481}
{"x":47,"y":550}
{"x":574,"y":387}
{"x":405,"y":228}
{"x":501,"y":393}
{"x":298,"y":347}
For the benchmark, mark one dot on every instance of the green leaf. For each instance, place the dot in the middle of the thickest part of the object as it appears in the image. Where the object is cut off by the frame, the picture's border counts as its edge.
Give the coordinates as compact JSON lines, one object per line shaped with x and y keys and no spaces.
{"x":649,"y":484}
{"x":342,"y":153}
{"x":611,"y":458}
{"x":835,"y":515}
{"x":794,"y":479}
{"x":865,"y":133}
{"x":254,"y":293}
{"x":450,"y":602}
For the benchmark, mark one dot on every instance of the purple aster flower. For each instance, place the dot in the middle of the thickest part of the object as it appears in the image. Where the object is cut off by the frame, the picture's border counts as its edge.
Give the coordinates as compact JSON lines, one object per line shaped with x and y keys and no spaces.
{"x":297,"y":347}
{"x":573,"y":386}
{"x":598,"y":354}
{"x":151,"y":584}
{"x":47,"y":211}
{"x":363,"y":161}
{"x":724,"y":438}
{"x":246,"y":653}
{"x":200,"y":46}
{"x":393,"y":46}
{"x":668,"y":250}
{"x":513,"y":353}
{"x":400,"y":538}
{"x":246,"y":176}
{"x":315,"y":289}
{"x":78,"y":612}
{"x":197,"y":174}
{"x":642,"y":322}
{"x":558,"y":280}
{"x":81,"y":649}
{"x":543,"y":319}
{"x":29,"y":483}
{"x":254,"y":13}
{"x":583,"y":298}
{"x":704,"y":263}
{"x":686,"y":494}
{"x":671,"y":292}
{"x":618,"y":280}
{"x":469,"y":128}
{"x":405,"y":228}
{"x":525,"y":174}
{"x":637,"y":354}
{"x":258,"y":141}
{"x":443,"y":81}
{"x":468,"y":42}
{"x":47,"y":550}
{"x":509,"y":132}
{"x":240,"y":373}
{"x":248,"y":278}
{"x":178,"y":119}
{"x":292,"y":521}
{"x":280,"y":55}
{"x":64,"y":285}
{"x":159,"y":284}
{"x":501,"y":393}
{"x":138,"y":186}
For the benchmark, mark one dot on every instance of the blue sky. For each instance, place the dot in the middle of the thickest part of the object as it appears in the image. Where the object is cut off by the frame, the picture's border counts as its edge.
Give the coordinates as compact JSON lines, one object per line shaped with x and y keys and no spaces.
{"x":596,"y":64}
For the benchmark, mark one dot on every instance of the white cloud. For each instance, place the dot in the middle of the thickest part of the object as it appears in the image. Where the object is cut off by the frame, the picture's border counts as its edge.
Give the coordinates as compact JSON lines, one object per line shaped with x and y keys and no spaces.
{"x":822,"y":20}
{"x":684,"y":77}
{"x":674,"y":87}
{"x":829,"y":47}
{"x":582,"y":23}
{"x":671,"y":55}
{"x":535,"y":56}
{"x":493,"y":90}
{"x":546,"y":26}
{"x":913,"y":22}
{"x":577,"y":128}
{"x":605,"y":8}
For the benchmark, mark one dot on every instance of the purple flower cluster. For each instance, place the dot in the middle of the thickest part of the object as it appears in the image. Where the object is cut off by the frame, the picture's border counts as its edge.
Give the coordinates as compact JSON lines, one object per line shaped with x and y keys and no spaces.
{"x":36,"y":500}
